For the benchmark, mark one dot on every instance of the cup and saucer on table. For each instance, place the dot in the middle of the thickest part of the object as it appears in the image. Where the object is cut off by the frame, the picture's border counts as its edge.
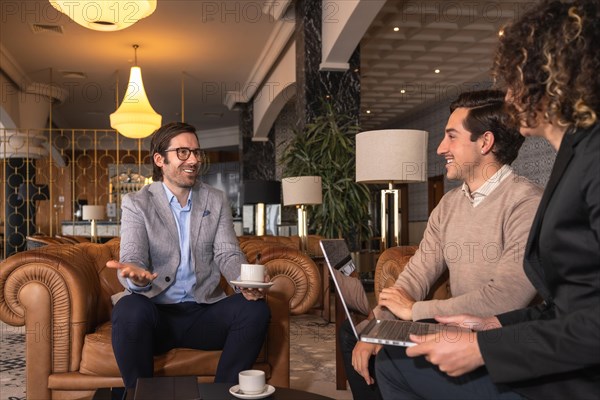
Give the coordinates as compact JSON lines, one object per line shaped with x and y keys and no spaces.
{"x":252,"y":276}
{"x":252,"y":385}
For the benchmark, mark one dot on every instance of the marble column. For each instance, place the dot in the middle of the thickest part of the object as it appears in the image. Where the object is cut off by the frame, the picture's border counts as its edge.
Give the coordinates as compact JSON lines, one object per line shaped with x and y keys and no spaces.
{"x":315,"y":86}
{"x":257,"y":158}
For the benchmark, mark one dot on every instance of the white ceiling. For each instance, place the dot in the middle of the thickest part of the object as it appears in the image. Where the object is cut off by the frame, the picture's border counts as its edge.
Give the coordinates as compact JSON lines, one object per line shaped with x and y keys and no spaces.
{"x":456,"y":37}
{"x":214,"y":47}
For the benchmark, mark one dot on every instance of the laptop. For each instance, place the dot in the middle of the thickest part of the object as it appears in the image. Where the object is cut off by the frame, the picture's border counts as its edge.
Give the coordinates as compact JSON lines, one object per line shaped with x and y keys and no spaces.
{"x":393,"y":332}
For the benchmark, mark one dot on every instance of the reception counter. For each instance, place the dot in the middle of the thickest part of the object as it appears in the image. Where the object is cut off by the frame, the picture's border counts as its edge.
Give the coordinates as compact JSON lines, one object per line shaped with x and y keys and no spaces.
{"x":105,"y":229}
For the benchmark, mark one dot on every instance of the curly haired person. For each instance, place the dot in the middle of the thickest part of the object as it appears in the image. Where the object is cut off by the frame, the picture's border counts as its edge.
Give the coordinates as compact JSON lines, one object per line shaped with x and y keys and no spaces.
{"x":549,"y":62}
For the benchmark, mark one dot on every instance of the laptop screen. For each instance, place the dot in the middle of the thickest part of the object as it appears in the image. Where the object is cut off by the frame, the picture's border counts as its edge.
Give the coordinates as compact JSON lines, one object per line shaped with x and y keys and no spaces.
{"x":350,"y":290}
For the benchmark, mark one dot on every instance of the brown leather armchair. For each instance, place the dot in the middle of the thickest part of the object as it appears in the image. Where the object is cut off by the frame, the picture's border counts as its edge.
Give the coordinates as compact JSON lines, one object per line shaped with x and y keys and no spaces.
{"x":313,"y":242}
{"x":61,"y":293}
{"x":392,"y":262}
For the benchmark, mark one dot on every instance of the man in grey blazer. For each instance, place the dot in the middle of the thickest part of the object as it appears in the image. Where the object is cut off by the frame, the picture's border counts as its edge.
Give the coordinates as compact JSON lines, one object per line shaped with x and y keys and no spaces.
{"x":177,"y":239}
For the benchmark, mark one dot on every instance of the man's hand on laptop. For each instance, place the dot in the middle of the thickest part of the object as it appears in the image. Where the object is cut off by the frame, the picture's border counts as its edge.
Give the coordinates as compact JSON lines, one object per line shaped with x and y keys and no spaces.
{"x":361,"y":354}
{"x":398,"y":301}
{"x":470,"y":322}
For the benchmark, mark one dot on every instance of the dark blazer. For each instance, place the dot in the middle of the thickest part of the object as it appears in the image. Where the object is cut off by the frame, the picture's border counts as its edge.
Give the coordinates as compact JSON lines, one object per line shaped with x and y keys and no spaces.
{"x":149,"y":238}
{"x":552,"y":351}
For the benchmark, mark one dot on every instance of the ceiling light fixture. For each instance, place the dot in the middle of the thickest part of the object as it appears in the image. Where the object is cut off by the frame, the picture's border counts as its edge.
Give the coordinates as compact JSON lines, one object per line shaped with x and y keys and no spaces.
{"x":396,"y":29}
{"x":105,"y":15}
{"x":135,"y":118}
{"x":437,"y":71}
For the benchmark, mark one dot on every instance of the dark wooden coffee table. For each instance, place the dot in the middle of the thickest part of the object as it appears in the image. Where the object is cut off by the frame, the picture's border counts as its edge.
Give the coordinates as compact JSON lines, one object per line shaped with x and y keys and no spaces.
{"x":220,"y":391}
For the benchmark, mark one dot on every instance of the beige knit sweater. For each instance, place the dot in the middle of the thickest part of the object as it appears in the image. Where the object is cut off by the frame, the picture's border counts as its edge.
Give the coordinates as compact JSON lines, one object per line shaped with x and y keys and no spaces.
{"x":482,"y":247}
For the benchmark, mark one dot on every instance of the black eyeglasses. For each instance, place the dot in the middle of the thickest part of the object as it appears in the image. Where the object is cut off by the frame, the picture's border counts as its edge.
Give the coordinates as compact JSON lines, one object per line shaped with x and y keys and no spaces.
{"x":183,"y":153}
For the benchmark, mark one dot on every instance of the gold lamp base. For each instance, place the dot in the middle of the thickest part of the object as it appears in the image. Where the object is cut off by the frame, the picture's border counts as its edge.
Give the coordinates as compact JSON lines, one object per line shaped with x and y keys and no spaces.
{"x":302,"y":227}
{"x":260,"y":222}
{"x":389,"y":239}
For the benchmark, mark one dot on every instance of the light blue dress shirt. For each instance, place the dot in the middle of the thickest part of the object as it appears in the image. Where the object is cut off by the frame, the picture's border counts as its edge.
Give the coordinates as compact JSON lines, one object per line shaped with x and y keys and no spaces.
{"x":185,"y":280}
{"x":183,"y":288}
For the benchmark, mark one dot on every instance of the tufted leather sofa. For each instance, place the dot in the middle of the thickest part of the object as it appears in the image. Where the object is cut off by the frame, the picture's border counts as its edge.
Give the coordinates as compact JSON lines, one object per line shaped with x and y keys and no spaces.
{"x":61,"y":293}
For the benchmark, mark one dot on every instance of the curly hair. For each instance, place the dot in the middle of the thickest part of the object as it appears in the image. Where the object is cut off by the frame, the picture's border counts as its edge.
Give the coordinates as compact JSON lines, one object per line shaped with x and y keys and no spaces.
{"x":550,"y":62}
{"x":489,"y":112}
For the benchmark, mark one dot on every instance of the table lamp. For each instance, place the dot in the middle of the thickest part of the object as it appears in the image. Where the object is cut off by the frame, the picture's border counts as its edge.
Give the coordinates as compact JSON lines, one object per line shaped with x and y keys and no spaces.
{"x":92,"y":213}
{"x":391,"y":156}
{"x":301,"y":191}
{"x":260,"y":193}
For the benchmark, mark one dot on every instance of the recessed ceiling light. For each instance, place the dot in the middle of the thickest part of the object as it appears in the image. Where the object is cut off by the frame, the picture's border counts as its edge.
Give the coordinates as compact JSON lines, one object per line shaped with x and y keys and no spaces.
{"x":368,"y":111}
{"x":402,"y":91}
{"x":437,"y":71}
{"x":396,"y":29}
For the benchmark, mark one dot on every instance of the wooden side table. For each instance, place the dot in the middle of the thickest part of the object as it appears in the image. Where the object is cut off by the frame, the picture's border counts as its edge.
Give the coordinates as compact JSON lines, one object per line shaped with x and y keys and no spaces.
{"x":340,"y":371}
{"x":323,"y":307}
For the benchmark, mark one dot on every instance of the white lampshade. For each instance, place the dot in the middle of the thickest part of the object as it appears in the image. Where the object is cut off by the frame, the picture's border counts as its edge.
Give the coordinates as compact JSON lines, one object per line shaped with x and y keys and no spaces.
{"x":105,"y":15}
{"x":135,"y":118}
{"x":300,"y":190}
{"x":92,"y":212}
{"x":391,"y":156}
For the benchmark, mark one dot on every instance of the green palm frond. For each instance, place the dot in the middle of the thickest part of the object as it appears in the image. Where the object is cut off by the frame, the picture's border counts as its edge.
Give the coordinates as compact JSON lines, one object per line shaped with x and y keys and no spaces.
{"x":327,"y":148}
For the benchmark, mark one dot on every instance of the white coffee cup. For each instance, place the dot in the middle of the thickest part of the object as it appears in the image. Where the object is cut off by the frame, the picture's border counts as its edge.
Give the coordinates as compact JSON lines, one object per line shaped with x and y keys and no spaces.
{"x":252,"y":381}
{"x":252,"y":273}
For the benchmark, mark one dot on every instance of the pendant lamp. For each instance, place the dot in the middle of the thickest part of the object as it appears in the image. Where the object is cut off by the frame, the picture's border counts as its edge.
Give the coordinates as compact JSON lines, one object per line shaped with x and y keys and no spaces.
{"x":105,"y":15}
{"x":135,"y":118}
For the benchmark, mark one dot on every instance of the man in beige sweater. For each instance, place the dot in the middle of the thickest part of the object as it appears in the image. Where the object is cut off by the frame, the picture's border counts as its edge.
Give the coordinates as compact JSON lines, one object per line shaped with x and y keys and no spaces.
{"x":477,"y":232}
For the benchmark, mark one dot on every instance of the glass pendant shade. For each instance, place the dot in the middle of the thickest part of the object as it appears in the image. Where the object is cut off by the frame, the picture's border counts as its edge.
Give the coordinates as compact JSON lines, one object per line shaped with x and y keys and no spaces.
{"x":135,"y":118}
{"x":105,"y":15}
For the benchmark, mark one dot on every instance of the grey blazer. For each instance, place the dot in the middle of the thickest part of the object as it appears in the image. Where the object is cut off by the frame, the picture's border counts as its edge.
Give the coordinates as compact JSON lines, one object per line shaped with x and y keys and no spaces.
{"x":149,"y":238}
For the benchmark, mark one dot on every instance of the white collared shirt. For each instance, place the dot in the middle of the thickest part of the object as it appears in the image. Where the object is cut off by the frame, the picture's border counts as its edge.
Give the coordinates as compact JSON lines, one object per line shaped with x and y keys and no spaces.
{"x":477,"y":196}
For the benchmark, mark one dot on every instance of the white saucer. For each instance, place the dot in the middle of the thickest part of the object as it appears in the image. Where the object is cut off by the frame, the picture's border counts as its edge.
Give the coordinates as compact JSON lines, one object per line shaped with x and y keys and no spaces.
{"x":252,"y":285}
{"x":234,"y":390}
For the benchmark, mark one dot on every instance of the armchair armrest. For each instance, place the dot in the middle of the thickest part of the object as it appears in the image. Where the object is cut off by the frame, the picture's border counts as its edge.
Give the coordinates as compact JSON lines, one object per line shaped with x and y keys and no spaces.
{"x":291,"y":271}
{"x":55,"y":292}
{"x":392,"y":262}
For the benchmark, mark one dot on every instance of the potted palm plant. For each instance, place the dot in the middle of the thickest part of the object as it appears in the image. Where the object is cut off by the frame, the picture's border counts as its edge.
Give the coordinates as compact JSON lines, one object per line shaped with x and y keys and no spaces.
{"x":326,"y":147}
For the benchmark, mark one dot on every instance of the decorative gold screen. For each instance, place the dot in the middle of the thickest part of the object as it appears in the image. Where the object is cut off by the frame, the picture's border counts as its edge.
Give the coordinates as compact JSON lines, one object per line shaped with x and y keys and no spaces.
{"x":45,"y":173}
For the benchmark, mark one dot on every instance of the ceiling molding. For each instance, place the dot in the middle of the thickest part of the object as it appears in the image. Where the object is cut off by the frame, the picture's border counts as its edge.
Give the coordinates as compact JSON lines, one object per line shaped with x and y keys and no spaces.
{"x":279,"y":38}
{"x":333,"y":66}
{"x":274,"y":94}
{"x":344,"y":23}
{"x":221,"y":137}
{"x":13,"y":71}
{"x":276,"y":8}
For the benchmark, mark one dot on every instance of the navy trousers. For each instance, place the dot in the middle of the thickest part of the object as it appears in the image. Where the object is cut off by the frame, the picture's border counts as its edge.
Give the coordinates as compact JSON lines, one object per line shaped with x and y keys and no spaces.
{"x":359,"y":387}
{"x":142,"y":329}
{"x":402,"y":377}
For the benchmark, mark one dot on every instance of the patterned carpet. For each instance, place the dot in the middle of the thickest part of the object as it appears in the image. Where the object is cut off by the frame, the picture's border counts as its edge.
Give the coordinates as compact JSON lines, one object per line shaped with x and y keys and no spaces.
{"x":312,"y":359}
{"x":12,"y":362}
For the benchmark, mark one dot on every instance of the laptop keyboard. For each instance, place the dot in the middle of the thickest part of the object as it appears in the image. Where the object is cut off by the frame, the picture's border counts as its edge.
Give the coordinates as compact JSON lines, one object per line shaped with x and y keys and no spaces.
{"x":389,"y":329}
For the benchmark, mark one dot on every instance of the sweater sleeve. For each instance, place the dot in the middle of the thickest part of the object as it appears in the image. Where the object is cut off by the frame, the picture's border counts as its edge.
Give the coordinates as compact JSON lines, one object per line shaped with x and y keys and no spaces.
{"x":427,"y":264}
{"x":509,"y":288}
